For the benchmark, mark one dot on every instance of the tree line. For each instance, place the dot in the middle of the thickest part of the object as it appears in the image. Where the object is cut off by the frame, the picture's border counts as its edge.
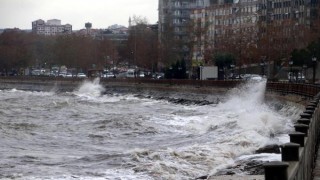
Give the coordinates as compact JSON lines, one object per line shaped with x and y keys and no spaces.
{"x":269,"y":42}
{"x":19,"y":50}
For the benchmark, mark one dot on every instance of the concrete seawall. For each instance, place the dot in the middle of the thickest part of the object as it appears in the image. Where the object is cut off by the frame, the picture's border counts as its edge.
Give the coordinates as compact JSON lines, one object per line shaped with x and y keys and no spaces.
{"x":39,"y":84}
{"x":68,"y":85}
{"x":298,"y":156}
{"x":71,"y":84}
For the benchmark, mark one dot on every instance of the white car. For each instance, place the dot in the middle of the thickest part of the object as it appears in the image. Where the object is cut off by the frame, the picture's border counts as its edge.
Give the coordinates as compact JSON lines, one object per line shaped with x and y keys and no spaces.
{"x":109,"y":75}
{"x":130,"y":73}
{"x":81,"y":75}
{"x":254,"y":77}
{"x":62,"y":74}
{"x":69,"y":75}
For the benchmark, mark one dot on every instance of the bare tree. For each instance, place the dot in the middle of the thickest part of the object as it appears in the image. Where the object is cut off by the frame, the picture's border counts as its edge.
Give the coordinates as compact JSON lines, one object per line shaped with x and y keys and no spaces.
{"x":142,"y":44}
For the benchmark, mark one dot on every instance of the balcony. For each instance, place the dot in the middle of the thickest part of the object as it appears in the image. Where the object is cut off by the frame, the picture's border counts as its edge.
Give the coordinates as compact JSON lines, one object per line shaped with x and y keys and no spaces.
{"x":181,"y":7}
{"x":181,"y":33}
{"x":182,"y":15}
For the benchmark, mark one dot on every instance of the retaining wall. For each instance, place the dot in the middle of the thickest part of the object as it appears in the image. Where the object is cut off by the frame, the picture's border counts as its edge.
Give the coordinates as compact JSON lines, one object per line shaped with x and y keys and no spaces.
{"x":298,"y":156}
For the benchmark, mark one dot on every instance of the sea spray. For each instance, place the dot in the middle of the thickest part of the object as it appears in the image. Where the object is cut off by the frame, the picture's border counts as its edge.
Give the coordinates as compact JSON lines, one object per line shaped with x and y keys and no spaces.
{"x":90,"y":89}
{"x":128,"y":137}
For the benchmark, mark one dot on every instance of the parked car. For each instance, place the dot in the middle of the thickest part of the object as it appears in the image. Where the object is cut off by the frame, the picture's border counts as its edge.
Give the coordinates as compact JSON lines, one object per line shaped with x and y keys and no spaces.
{"x":81,"y":75}
{"x":296,"y":77}
{"x":62,"y":74}
{"x":254,"y":77}
{"x":158,"y":76}
{"x":69,"y":75}
{"x":141,"y":74}
{"x":108,"y":75}
{"x":36,"y":72}
{"x":130,"y":73}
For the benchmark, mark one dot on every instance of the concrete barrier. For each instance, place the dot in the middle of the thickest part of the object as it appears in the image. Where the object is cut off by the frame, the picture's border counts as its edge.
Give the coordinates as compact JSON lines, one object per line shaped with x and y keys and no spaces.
{"x":298,"y":157}
{"x":276,"y":171}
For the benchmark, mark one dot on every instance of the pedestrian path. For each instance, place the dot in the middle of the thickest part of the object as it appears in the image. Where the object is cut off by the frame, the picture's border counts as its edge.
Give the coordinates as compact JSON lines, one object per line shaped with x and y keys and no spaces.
{"x":316,"y":170}
{"x":253,"y":177}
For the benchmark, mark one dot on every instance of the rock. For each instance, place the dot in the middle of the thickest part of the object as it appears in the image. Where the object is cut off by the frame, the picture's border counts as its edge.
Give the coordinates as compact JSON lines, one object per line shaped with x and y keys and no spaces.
{"x":269,"y":149}
{"x":249,"y":168}
{"x":202,"y":177}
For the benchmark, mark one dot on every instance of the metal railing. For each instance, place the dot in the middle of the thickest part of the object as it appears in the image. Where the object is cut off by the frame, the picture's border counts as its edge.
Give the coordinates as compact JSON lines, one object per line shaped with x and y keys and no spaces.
{"x":307,"y":90}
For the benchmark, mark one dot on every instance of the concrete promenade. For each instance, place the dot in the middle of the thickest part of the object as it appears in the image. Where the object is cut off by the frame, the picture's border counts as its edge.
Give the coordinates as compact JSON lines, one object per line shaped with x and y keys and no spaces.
{"x":316,"y":171}
{"x":256,"y":177}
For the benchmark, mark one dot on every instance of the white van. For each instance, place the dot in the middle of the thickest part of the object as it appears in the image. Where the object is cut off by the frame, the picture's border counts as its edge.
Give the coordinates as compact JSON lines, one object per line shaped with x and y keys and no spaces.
{"x":130,"y":73}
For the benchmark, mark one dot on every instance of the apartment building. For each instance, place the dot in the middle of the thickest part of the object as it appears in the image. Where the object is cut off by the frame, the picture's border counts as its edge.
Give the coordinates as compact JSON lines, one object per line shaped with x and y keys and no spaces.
{"x":222,"y":25}
{"x":174,"y":19}
{"x":50,"y":28}
{"x":273,"y":27}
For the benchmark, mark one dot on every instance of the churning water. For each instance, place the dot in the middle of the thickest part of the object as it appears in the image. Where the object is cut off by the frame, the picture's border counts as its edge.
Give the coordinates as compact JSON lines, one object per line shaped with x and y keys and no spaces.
{"x":86,"y":134}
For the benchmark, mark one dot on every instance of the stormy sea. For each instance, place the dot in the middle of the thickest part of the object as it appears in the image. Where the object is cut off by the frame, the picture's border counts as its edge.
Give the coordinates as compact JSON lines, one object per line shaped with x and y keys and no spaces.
{"x":97,"y":132}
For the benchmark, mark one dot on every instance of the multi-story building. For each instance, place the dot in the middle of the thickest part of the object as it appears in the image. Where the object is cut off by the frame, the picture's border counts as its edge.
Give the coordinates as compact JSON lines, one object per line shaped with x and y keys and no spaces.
{"x":51,"y":27}
{"x":272,"y":27}
{"x":287,"y":22}
{"x":254,"y":31}
{"x":222,"y":26}
{"x":174,"y":23}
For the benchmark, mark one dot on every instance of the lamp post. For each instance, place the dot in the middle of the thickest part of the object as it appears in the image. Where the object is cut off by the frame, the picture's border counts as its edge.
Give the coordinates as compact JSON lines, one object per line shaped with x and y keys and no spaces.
{"x":314,"y":61}
{"x":200,"y":71}
{"x":105,"y":61}
{"x":304,"y":72}
{"x":232,"y":70}
{"x":263,"y":64}
{"x":290,"y":63}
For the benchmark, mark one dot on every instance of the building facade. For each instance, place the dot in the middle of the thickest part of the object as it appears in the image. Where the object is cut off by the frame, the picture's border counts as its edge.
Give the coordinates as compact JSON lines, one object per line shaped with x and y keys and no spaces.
{"x":251,"y":29}
{"x":223,"y":26}
{"x":174,"y":24}
{"x":51,"y":27}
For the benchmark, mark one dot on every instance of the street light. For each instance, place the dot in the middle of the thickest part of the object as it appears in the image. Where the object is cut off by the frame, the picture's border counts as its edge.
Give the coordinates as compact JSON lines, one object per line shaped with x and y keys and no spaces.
{"x":290,"y":63}
{"x":314,"y":60}
{"x":171,"y":72}
{"x":180,"y":73}
{"x":304,"y":71}
{"x":263,"y":64}
{"x":201,"y":68}
{"x":132,"y":56}
{"x":232,"y":70}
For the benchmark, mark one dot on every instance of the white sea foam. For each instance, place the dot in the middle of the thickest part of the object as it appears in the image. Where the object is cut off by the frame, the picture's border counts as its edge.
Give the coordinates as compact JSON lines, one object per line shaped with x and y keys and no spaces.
{"x":110,"y":174}
{"x":232,"y":129}
{"x":90,"y":89}
{"x":115,"y":136}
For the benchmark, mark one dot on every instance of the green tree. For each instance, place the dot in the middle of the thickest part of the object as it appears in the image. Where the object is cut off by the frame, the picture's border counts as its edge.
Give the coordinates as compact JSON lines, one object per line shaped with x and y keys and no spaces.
{"x":177,"y":70}
{"x":223,"y":60}
{"x":300,"y":57}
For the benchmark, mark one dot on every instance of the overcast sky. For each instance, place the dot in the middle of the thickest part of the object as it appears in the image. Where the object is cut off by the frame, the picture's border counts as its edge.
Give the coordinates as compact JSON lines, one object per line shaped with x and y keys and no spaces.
{"x":101,"y":13}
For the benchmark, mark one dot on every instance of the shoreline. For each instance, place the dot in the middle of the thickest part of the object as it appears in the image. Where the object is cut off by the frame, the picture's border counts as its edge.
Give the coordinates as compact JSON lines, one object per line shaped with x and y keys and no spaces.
{"x":66,"y":84}
{"x":134,"y":85}
{"x":63,"y":85}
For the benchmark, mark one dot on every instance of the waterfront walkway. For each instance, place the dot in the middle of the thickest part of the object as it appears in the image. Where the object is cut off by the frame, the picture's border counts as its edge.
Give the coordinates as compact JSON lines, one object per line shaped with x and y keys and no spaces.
{"x":257,"y":177}
{"x":316,"y":170}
